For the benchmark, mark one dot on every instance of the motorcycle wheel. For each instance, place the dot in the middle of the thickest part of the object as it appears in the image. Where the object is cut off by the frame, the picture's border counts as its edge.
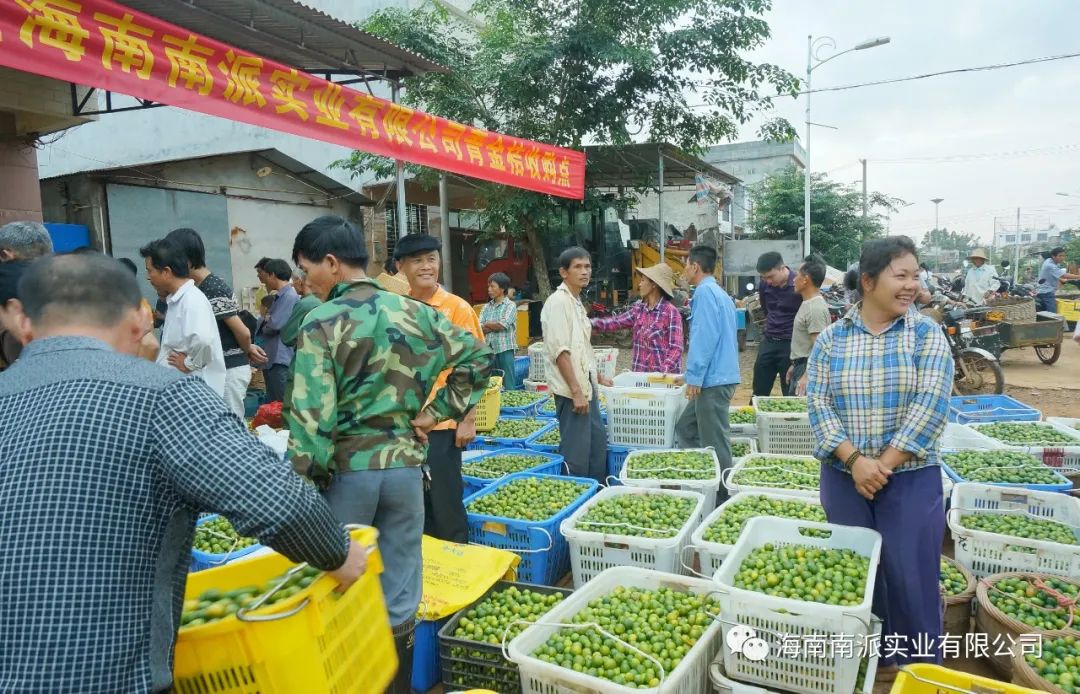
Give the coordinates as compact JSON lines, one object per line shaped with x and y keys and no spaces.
{"x":1048,"y":354}
{"x":982,"y":377}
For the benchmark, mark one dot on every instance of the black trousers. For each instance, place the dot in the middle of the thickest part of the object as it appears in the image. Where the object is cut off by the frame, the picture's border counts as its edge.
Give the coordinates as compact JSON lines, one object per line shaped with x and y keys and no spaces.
{"x":444,"y":509}
{"x":773,"y":359}
{"x":798,"y":368}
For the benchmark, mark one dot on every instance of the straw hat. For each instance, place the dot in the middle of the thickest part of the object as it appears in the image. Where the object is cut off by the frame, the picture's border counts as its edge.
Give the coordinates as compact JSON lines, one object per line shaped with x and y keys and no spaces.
{"x":662,"y":277}
{"x":979,"y":253}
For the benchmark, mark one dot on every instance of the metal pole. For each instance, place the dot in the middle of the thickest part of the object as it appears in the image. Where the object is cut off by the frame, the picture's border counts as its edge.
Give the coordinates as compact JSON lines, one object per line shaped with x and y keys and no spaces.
{"x":660,"y":204}
{"x":444,"y":224}
{"x":863,"y":190}
{"x":403,"y":221}
{"x":806,"y":150}
{"x":1016,"y":256}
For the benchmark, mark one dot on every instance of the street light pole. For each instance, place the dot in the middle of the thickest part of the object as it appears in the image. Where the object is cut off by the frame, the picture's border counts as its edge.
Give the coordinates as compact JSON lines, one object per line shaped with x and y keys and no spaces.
{"x":812,"y":48}
{"x":937,"y":202}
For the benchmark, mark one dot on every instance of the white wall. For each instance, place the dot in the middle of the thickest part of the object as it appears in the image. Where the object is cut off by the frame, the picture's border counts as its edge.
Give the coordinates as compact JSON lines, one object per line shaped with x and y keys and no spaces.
{"x":678,"y":212}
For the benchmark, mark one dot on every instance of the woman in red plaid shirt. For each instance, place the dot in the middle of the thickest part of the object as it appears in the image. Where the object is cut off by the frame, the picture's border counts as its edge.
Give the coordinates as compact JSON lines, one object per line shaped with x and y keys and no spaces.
{"x":654,"y":322}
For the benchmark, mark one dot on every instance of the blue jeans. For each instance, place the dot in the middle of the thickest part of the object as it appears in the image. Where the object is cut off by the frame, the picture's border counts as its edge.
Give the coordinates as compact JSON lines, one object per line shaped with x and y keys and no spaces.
{"x":1046,"y":302}
{"x":392,"y":501}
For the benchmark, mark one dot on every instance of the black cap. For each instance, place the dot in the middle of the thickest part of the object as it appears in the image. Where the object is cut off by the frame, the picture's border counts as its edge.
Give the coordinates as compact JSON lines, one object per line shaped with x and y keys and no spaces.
{"x":10,"y":274}
{"x":412,"y":244}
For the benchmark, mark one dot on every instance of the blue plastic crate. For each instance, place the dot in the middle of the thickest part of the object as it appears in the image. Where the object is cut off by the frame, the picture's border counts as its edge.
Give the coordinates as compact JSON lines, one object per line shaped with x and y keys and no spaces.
{"x":547,"y":464}
{"x":521,"y":371}
{"x":1064,"y":485}
{"x":969,"y":409}
{"x":544,"y":552}
{"x":485,"y":442}
{"x":426,"y":666}
{"x":207,"y":560}
{"x":526,"y":411}
{"x":616,"y":456}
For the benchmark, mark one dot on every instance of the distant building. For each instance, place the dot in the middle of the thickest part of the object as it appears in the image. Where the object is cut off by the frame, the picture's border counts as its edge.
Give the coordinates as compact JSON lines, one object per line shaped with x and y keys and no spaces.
{"x":752,"y":163}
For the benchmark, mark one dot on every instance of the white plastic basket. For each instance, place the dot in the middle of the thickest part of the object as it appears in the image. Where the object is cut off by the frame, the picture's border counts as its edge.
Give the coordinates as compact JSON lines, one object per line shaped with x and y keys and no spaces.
{"x":537,"y":362}
{"x":712,"y":554}
{"x":751,"y":442}
{"x":535,"y":386}
{"x":743,"y":429}
{"x":606,"y":360}
{"x":593,"y":552}
{"x":962,"y":436}
{"x":643,"y":409}
{"x":775,"y":618}
{"x":1064,"y":459}
{"x":766,"y":460}
{"x":946,"y":489}
{"x":690,"y":676}
{"x":706,"y":487}
{"x":985,"y":553}
{"x":785,"y":433}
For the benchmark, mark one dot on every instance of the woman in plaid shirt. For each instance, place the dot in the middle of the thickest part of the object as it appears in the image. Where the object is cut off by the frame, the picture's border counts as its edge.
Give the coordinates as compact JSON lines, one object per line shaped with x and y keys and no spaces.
{"x":498,"y":319}
{"x":878,"y":391}
{"x":655,"y":324}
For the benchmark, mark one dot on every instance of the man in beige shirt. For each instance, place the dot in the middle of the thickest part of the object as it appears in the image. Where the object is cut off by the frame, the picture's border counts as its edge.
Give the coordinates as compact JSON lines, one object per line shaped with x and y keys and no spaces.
{"x":571,"y":369}
{"x":811,"y":318}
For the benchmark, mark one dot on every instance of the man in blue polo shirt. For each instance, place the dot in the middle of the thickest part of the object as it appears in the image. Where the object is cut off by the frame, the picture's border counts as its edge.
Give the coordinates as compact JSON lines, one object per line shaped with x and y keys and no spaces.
{"x":780,"y":302}
{"x":712,"y":361}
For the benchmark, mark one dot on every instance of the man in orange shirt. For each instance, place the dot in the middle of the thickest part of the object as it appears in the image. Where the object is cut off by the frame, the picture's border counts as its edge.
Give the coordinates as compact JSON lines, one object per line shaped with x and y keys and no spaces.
{"x":417,"y":256}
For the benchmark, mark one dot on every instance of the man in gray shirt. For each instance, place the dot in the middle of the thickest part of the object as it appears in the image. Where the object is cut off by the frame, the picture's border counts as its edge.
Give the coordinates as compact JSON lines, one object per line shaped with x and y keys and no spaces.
{"x":278,"y":355}
{"x":811,"y":318}
{"x":1051,"y":274}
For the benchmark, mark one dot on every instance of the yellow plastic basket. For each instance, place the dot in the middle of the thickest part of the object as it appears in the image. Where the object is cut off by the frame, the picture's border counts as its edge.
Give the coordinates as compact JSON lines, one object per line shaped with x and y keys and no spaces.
{"x":922,"y":678}
{"x":314,"y":641}
{"x":487,"y":410}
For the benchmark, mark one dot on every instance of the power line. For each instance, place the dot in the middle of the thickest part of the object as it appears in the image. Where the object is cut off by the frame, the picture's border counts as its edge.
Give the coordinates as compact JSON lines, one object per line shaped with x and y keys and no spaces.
{"x":951,"y":158}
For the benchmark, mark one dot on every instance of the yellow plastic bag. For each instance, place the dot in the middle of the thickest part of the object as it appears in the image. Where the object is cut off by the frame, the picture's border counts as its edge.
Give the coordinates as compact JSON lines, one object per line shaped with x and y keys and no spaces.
{"x":457,"y":575}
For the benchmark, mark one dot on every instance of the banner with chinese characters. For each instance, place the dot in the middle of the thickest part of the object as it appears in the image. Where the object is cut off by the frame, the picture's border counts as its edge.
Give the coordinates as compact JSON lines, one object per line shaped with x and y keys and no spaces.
{"x":99,"y":43}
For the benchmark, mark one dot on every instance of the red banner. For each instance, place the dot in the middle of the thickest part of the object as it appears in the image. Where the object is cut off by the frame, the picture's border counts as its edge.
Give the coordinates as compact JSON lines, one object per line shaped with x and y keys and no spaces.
{"x":99,"y":43}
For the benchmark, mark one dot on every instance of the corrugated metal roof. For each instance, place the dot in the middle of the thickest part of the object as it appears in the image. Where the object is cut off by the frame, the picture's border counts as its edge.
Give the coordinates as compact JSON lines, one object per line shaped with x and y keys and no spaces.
{"x":290,"y":33}
{"x":610,"y":166}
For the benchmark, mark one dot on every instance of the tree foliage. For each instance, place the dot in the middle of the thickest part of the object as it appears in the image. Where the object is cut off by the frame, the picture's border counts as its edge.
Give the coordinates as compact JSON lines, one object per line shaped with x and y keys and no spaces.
{"x":574,"y":72}
{"x":946,"y":240}
{"x":837,"y":227}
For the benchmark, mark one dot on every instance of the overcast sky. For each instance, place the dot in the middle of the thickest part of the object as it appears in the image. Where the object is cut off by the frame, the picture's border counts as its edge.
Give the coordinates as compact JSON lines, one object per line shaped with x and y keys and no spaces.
{"x":991,"y":119}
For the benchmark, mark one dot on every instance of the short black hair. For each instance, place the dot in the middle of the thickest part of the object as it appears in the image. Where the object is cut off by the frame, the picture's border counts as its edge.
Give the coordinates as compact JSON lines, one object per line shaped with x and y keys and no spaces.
{"x":924,"y":266}
{"x":129,"y":264}
{"x":163,"y":253}
{"x":279,"y":268}
{"x":390,"y":266}
{"x":567,"y":257}
{"x":501,"y":279}
{"x":877,"y":254}
{"x":261,"y":265}
{"x":769,"y":261}
{"x":79,"y":287}
{"x":331,"y":235}
{"x":814,"y":268}
{"x":1058,"y":250}
{"x":84,"y":250}
{"x":189,"y":241}
{"x":267,"y":300}
{"x":704,"y":256}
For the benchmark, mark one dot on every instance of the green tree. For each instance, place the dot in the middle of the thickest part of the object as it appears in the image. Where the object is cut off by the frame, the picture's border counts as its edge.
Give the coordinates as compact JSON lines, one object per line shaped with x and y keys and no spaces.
{"x":587,"y":71}
{"x":949,"y":241}
{"x":837,"y":227}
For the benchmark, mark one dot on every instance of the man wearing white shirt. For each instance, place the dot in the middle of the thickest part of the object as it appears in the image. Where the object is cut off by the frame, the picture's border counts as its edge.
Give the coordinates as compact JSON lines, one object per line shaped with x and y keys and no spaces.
{"x":189,"y":339}
{"x":979,"y":281}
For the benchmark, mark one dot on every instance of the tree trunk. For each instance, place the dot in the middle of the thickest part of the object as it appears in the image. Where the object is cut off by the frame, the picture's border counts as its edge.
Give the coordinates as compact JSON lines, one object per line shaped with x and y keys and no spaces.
{"x":538,"y":258}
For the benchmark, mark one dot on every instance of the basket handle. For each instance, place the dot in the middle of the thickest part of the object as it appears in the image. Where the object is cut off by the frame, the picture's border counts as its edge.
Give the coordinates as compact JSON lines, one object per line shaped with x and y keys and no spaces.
{"x":682,"y":560}
{"x":551,"y":543}
{"x":725,"y":478}
{"x":611,"y":477}
{"x":623,"y":525}
{"x":228,"y":553}
{"x":951,"y":688}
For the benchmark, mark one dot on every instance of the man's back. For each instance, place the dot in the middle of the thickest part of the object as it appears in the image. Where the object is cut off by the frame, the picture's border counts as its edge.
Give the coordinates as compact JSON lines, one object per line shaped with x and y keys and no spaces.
{"x":713,"y":357}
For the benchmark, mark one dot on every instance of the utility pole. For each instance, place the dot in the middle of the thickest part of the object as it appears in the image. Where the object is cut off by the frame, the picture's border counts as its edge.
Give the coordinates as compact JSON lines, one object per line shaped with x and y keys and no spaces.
{"x":1016,"y":263}
{"x":937,"y":204}
{"x":863,"y":161}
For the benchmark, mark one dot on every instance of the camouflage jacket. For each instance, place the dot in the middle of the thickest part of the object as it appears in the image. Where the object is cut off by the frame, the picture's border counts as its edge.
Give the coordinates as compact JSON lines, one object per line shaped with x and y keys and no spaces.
{"x":366,"y":360}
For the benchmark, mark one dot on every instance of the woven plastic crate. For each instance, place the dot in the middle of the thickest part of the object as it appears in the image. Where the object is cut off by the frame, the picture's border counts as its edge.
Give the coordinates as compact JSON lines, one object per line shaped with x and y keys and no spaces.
{"x":706,"y":487}
{"x":743,"y":429}
{"x":200,"y":561}
{"x":593,"y":552}
{"x":643,"y":410}
{"x":1064,"y":459}
{"x":544,"y":552}
{"x":770,"y":460}
{"x":774,"y":618}
{"x":985,"y":553}
{"x":487,"y":440}
{"x":606,"y":359}
{"x":317,"y":640}
{"x":786,"y":433}
{"x":470,"y":664}
{"x":535,"y":386}
{"x":1012,"y":309}
{"x":1067,"y":422}
{"x":546,"y":464}
{"x":1062,"y":485}
{"x":712,"y":554}
{"x":965,"y":409}
{"x":426,"y":666}
{"x":525,"y":410}
{"x":616,"y":456}
{"x":521,"y":371}
{"x":750,"y":442}
{"x":537,"y":362}
{"x":487,"y":410}
{"x":963,"y":436}
{"x":690,"y":676}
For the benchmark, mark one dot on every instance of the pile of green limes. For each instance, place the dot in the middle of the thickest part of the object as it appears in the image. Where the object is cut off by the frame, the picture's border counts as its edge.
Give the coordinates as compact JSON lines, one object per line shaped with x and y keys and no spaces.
{"x":213,"y":605}
{"x":953,"y":582}
{"x":1027,"y":434}
{"x":671,"y":465}
{"x":500,"y":465}
{"x":811,"y":574}
{"x":781,"y":404}
{"x":783,"y":473}
{"x":739,"y":449}
{"x":727,"y":526}
{"x":743,"y":415}
{"x":516,"y":428}
{"x":529,"y":498}
{"x":654,"y":514}
{"x":1016,"y":525}
{"x":520,"y":398}
{"x":662,"y":623}
{"x":1059,"y":663}
{"x":217,"y":536}
{"x":551,"y":438}
{"x":1022,"y":600}
{"x":1009,"y":467}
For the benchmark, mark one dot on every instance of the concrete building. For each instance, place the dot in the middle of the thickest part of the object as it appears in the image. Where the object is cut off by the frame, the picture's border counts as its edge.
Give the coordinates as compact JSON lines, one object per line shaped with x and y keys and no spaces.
{"x":752,"y":163}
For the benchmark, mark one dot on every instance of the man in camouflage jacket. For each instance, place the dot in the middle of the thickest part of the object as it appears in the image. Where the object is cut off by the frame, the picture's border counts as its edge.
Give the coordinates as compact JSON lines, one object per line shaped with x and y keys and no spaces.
{"x":366,"y":360}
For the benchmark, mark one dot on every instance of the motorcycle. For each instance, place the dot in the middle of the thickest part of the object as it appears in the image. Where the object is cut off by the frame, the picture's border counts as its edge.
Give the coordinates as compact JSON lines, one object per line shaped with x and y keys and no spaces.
{"x":977,"y":369}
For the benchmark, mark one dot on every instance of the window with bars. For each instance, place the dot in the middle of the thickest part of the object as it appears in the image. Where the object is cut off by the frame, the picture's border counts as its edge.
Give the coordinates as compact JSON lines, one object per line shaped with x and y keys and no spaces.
{"x":416,"y":222}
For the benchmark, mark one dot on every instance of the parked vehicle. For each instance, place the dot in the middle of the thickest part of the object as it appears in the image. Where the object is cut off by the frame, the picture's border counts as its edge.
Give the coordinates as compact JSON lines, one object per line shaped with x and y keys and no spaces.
{"x":977,"y":369}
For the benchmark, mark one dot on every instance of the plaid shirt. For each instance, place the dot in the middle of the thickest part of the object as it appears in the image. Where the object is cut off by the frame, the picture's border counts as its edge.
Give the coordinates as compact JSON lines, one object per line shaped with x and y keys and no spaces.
{"x":504,"y":313}
{"x":881,"y":390}
{"x":657,"y":334}
{"x":105,"y":464}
